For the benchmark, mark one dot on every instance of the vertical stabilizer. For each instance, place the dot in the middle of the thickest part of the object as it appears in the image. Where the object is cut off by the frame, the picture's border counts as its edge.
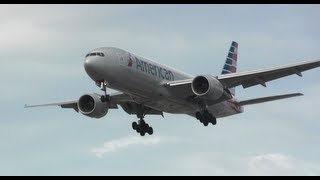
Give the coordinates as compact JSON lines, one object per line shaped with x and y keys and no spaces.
{"x":230,"y":65}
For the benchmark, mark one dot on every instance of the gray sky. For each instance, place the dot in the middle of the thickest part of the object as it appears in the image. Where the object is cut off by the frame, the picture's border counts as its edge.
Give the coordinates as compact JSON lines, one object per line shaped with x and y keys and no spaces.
{"x":42,"y":48}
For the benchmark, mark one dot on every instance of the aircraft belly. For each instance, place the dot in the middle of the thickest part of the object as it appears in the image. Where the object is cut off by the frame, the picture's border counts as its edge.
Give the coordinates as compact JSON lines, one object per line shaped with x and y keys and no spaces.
{"x":169,"y":106}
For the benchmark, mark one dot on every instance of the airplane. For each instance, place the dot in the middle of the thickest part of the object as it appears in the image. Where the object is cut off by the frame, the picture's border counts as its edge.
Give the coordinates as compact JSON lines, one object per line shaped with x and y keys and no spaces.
{"x":145,"y":87}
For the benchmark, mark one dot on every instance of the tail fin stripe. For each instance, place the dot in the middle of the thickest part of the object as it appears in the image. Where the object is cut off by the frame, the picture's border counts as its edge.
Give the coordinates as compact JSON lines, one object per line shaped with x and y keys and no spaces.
{"x":229,"y":66}
{"x":225,"y":72}
{"x":229,"y":61}
{"x":234,"y":44}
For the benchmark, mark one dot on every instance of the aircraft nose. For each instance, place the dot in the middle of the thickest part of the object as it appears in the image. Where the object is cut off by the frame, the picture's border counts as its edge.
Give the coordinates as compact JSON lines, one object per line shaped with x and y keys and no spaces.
{"x":91,"y":66}
{"x":88,"y":64}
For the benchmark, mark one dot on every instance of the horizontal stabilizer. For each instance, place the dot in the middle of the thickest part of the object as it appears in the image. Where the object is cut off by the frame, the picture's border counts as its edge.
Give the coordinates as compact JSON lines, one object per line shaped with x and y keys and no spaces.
{"x":267,"y":99}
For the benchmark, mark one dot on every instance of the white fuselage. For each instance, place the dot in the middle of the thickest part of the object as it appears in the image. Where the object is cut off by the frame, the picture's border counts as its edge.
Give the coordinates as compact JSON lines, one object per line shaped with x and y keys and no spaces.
{"x":144,"y":80}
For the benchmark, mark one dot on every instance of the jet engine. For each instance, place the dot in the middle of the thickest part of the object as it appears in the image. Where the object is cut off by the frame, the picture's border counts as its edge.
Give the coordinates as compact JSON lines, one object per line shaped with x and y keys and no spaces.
{"x":92,"y":106}
{"x":207,"y":87}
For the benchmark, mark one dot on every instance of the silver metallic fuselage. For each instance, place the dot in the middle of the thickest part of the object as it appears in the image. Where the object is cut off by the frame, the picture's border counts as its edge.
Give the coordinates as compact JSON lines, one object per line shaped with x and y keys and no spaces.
{"x":144,"y":80}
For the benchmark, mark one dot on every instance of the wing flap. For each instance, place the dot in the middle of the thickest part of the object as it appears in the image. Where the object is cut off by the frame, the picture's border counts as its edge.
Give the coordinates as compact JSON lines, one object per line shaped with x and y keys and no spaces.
{"x":267,"y":99}
{"x":126,"y":101}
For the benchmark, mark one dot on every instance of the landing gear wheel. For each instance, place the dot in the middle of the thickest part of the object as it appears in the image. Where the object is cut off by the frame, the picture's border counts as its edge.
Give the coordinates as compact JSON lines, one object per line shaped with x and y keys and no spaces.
{"x":142,"y":133}
{"x":134,"y":125}
{"x":213,"y":121}
{"x":138,"y":129}
{"x":205,"y":123}
{"x":201,"y":120}
{"x":207,"y":116}
{"x":198,"y":115}
{"x":150,"y":130}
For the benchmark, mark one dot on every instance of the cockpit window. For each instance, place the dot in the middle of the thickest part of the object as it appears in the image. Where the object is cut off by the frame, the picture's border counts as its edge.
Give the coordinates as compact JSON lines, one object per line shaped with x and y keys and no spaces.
{"x":95,"y":54}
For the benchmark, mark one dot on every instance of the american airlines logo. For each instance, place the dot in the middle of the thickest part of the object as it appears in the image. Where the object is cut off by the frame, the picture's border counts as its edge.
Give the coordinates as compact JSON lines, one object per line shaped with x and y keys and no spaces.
{"x":130,"y":61}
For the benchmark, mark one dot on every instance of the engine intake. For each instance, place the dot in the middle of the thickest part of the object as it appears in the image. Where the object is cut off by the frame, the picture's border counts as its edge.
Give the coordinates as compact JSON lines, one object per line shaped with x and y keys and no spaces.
{"x":207,"y":86}
{"x":92,"y":106}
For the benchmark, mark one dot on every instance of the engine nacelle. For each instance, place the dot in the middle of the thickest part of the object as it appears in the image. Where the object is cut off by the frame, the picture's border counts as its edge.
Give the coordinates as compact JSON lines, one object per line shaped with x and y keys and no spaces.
{"x":208,"y":87}
{"x":92,"y":106}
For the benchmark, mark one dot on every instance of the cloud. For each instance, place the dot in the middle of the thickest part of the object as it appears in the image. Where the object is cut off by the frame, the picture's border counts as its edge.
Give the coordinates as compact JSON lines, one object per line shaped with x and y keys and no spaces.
{"x":265,"y":164}
{"x":280,"y":164}
{"x":124,"y":143}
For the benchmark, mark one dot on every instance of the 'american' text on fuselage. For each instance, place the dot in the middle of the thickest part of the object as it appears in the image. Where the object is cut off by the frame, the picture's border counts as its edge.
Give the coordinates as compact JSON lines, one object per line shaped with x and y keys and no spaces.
{"x":154,"y":70}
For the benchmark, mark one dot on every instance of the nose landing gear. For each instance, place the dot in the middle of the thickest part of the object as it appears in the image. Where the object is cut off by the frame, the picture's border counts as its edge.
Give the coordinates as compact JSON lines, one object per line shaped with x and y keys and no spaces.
{"x":103,"y":86}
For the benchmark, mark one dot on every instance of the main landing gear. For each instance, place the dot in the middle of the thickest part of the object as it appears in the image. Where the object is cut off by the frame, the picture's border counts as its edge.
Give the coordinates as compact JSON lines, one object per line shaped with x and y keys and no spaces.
{"x":206,"y":117}
{"x":141,"y":126}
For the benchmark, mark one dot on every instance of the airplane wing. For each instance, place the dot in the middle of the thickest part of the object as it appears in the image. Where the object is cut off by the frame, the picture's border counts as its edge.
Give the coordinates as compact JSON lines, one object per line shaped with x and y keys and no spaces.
{"x":267,"y":99}
{"x":115,"y":98}
{"x":65,"y":104}
{"x":124,"y":100}
{"x":247,"y":78}
{"x":255,"y":77}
